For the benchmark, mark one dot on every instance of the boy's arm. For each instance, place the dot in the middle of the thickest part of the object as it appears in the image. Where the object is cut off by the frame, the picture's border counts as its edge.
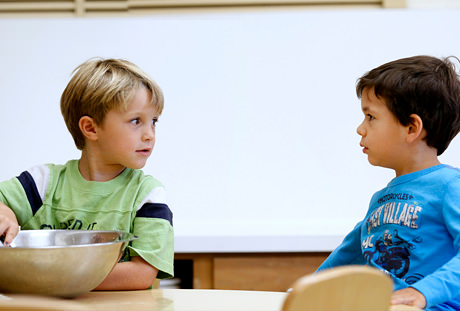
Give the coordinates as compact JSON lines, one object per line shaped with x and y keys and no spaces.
{"x":9,"y":226}
{"x":444,"y":283}
{"x":348,"y":252}
{"x":129,"y":275}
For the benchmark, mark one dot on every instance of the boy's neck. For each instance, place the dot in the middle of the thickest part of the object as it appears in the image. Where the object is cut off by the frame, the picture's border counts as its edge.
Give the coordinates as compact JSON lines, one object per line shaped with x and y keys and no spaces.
{"x":423,"y":158}
{"x":93,"y":170}
{"x":416,"y":167}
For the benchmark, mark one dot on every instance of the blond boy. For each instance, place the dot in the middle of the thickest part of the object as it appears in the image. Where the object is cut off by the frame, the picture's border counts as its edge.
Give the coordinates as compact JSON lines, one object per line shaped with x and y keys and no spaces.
{"x":110,"y":107}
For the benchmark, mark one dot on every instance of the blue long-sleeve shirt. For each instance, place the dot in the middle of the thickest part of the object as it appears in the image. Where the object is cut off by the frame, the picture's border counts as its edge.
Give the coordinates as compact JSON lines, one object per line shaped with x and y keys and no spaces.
{"x":412,"y":232}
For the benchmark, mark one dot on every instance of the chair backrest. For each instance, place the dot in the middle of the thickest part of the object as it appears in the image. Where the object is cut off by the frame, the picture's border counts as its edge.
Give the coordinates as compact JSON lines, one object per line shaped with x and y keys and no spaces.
{"x":345,"y":288}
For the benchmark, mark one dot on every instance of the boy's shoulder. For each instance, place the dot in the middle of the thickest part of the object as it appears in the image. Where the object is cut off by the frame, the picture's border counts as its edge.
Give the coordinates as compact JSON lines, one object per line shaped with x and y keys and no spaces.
{"x":441,"y":171}
{"x":144,"y":180}
{"x":54,"y":168}
{"x":447,"y":172}
{"x":70,"y":171}
{"x":453,"y":170}
{"x":141,"y":177}
{"x":438,"y":175}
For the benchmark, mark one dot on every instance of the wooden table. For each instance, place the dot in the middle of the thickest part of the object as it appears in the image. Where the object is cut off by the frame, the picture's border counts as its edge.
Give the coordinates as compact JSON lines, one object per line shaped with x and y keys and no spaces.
{"x":152,"y":300}
{"x":156,"y":300}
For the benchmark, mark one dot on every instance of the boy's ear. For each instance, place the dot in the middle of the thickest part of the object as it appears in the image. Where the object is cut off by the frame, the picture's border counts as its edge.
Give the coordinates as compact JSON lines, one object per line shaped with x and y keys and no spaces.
{"x":415,"y":128}
{"x":88,"y":127}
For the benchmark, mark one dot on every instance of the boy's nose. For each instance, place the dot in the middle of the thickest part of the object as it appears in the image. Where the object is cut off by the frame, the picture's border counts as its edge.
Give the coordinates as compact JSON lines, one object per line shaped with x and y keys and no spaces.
{"x":149,"y":133}
{"x":360,"y":130}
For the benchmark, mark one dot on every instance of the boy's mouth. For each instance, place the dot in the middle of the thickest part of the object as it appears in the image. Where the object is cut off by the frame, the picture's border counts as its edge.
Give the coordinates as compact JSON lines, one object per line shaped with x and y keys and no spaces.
{"x":364,"y":148}
{"x":144,"y":151}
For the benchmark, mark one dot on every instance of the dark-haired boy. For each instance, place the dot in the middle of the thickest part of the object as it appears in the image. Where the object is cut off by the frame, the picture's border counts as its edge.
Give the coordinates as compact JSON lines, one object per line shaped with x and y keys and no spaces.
{"x":412,"y":228}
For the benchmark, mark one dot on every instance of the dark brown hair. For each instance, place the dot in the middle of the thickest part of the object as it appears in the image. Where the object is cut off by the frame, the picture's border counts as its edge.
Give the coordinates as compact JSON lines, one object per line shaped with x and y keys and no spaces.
{"x":422,"y":85}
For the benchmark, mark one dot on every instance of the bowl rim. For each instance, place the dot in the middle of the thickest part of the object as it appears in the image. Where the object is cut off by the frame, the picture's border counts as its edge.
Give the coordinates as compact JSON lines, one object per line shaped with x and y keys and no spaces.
{"x":124,"y":237}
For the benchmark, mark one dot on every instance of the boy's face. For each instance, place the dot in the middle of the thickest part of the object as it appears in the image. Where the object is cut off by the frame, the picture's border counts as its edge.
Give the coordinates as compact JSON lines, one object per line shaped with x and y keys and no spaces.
{"x":126,"y":138}
{"x":383,"y":137}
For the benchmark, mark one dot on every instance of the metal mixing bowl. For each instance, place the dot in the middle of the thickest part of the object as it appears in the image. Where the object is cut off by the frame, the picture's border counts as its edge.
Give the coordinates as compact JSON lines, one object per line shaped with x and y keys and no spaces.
{"x":61,"y":263}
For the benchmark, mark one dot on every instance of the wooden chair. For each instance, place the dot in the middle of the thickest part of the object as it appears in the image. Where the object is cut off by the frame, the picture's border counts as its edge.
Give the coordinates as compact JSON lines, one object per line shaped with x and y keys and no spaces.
{"x":346,"y":288}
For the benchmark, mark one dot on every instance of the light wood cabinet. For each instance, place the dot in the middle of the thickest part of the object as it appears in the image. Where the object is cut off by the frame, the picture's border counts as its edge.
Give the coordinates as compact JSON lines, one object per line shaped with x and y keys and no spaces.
{"x":251,"y":271}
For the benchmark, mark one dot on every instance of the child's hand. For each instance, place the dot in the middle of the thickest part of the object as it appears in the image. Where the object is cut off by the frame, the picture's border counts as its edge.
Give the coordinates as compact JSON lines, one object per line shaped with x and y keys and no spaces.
{"x":408,"y":296}
{"x":9,"y":226}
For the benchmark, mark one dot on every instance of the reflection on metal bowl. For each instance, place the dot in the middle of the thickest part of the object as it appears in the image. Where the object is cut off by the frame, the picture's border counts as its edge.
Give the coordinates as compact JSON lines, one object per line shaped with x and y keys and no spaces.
{"x":61,"y":263}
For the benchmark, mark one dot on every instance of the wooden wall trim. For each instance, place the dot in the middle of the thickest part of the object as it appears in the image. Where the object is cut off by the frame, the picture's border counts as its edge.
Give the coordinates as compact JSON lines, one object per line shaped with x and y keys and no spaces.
{"x":80,"y":8}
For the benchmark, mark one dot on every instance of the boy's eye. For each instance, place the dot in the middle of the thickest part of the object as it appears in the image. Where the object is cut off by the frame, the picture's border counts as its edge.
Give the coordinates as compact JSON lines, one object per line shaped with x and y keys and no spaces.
{"x":154,"y":121}
{"x":135,"y":121}
{"x":370,"y":117}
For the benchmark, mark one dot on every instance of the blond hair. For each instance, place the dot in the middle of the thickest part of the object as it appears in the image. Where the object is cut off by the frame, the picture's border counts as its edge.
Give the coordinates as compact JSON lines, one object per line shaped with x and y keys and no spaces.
{"x":100,"y":85}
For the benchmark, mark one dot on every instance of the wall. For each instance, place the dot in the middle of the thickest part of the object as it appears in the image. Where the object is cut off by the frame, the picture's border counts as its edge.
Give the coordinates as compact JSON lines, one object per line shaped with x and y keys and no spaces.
{"x":258,"y":137}
{"x":432,"y":4}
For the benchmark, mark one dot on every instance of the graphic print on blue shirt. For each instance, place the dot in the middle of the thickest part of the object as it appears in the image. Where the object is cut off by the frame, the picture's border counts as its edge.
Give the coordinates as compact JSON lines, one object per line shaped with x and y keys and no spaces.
{"x":386,"y":247}
{"x":393,"y":213}
{"x":392,"y":253}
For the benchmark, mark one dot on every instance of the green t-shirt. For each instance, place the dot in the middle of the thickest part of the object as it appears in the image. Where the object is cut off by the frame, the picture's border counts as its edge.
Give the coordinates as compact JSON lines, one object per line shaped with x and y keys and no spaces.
{"x":58,"y":197}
